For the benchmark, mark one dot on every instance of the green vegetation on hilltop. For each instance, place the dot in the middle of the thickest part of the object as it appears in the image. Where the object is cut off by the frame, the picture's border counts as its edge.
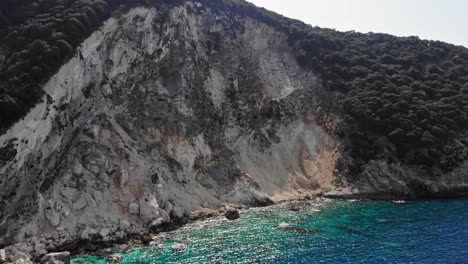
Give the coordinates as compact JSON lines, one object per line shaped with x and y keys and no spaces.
{"x":403,"y":99}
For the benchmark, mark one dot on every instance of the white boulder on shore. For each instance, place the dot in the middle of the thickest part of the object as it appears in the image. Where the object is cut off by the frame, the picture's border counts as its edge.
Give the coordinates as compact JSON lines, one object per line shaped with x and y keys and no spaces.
{"x":18,"y":257}
{"x":2,"y":256}
{"x":60,"y":257}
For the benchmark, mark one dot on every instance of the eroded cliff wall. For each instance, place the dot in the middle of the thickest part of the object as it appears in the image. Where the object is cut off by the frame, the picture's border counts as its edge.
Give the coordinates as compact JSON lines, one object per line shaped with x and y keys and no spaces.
{"x":159,"y":113}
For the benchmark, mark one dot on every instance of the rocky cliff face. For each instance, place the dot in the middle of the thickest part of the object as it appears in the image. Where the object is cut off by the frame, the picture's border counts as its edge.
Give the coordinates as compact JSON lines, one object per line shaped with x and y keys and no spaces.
{"x":162,"y":112}
{"x":165,"y":111}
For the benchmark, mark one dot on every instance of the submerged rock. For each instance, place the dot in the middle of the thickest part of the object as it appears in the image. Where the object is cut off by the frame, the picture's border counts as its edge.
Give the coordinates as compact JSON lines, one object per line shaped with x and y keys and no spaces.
{"x":232,"y":214}
{"x":305,"y":230}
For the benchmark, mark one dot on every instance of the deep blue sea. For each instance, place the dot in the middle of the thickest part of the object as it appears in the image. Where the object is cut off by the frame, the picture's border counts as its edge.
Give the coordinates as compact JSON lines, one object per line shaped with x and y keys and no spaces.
{"x":324,"y":232}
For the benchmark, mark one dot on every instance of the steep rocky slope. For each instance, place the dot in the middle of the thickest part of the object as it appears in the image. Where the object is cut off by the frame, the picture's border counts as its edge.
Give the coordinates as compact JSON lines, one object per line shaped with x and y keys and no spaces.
{"x":159,"y":113}
{"x":170,"y":109}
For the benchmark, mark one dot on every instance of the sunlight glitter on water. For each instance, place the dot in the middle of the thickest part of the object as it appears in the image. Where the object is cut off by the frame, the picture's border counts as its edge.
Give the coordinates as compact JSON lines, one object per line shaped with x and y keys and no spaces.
{"x":343,"y":232}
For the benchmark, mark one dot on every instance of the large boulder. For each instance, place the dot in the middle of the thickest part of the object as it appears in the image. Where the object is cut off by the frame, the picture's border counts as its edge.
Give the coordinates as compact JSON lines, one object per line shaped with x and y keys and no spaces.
{"x":2,"y":256}
{"x":232,"y":214}
{"x":149,"y":208}
{"x":155,"y":225}
{"x":60,"y":257}
{"x":20,"y":256}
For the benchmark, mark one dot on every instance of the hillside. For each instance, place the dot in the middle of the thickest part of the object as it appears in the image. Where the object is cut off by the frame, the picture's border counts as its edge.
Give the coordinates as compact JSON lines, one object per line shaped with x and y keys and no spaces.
{"x":123,"y":117}
{"x":403,"y":94}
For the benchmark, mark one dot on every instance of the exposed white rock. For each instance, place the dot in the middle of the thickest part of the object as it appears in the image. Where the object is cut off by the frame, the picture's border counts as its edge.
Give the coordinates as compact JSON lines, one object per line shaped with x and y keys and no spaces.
{"x":123,"y":177}
{"x":149,"y":208}
{"x":304,"y":159}
{"x":62,"y":257}
{"x":156,"y":223}
{"x":3,"y":258}
{"x":20,"y":256}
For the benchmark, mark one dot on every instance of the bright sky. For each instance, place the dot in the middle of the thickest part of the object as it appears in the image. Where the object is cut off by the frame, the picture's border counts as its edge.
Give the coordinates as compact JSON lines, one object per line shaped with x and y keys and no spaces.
{"x":445,"y":20}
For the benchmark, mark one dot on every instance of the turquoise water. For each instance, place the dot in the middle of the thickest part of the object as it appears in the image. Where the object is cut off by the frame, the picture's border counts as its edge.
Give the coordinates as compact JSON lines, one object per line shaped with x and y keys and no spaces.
{"x":348,"y":232}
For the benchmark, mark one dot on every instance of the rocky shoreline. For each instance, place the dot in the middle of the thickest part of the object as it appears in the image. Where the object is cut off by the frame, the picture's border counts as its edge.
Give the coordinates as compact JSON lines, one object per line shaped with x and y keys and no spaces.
{"x":29,"y":252}
{"x":230,"y":212}
{"x":19,"y":254}
{"x":24,"y":253}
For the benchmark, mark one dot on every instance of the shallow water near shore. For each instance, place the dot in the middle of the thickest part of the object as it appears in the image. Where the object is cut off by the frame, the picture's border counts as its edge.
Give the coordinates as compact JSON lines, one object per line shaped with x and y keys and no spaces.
{"x":324,"y":232}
